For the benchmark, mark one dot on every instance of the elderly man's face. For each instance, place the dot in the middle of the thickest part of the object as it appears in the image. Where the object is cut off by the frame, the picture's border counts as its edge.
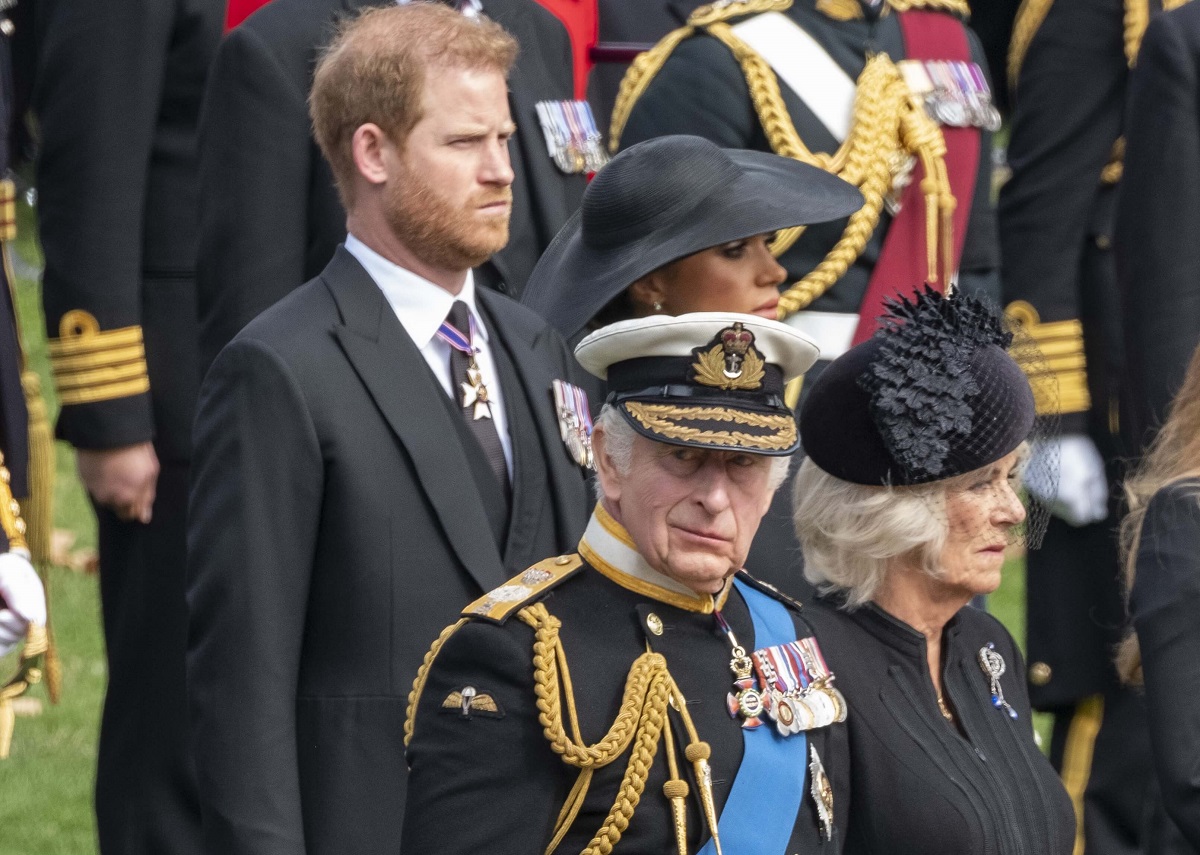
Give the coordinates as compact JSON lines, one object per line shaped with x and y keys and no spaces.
{"x":691,"y":512}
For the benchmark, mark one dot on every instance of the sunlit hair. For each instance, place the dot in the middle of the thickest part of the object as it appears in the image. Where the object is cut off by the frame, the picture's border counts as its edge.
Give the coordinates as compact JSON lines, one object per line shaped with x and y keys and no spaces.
{"x":619,"y":437}
{"x":851,"y":534}
{"x":1173,"y":456}
{"x":374,"y":71}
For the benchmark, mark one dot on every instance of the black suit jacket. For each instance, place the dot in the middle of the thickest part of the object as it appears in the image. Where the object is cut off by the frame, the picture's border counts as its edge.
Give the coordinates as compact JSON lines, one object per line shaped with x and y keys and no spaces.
{"x":1163,"y":603}
{"x":269,"y":214}
{"x":1158,"y":214}
{"x":334,"y":530}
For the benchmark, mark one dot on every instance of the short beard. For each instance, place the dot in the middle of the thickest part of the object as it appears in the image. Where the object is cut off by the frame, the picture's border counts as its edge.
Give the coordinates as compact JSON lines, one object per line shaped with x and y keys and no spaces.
{"x":435,"y":232}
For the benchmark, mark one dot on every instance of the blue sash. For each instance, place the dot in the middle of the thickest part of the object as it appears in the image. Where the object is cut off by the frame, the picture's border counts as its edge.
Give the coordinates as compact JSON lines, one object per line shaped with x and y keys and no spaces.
{"x":765,"y":799}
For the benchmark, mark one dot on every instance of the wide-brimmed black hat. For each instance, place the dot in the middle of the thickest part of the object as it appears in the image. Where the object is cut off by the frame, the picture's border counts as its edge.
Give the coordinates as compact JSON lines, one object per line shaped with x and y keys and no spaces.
{"x":932,"y":395}
{"x":706,"y":379}
{"x":662,"y":200}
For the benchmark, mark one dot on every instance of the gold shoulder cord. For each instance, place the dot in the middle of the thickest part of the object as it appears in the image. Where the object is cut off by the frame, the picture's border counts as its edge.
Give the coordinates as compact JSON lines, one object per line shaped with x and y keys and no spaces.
{"x":641,"y":722}
{"x":889,"y":128}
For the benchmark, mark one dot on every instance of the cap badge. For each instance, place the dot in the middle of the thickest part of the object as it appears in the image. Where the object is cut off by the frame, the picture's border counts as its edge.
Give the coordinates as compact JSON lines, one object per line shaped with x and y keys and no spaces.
{"x":730,"y":360}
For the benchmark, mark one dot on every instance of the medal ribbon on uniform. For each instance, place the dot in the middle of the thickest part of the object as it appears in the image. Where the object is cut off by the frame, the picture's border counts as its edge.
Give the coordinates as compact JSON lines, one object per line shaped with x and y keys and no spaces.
{"x":574,"y":421}
{"x":474,"y":391}
{"x":789,"y":683}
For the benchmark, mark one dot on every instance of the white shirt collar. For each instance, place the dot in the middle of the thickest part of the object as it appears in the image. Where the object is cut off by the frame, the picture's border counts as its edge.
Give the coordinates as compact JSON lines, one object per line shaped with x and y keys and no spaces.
{"x":420,"y":305}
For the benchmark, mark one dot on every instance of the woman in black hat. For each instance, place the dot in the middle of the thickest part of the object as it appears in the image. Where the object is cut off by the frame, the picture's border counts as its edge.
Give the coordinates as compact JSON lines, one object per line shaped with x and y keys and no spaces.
{"x":904,"y":508}
{"x":677,"y":225}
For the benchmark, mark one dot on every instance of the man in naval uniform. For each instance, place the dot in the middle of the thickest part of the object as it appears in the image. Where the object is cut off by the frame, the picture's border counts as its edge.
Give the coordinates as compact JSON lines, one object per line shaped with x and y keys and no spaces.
{"x":1069,"y":70}
{"x":117,"y":93}
{"x":1158,"y":213}
{"x":373,"y":452}
{"x":807,"y":78}
{"x":644,"y":692}
{"x":269,"y":215}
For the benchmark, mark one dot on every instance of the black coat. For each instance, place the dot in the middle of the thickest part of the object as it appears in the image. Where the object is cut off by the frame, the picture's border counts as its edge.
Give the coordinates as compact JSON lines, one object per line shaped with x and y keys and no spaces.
{"x":918,"y":784}
{"x":334,"y":529}
{"x":1163,"y":602}
{"x":117,"y":93}
{"x":1056,"y":231}
{"x":500,"y":770}
{"x":1158,"y":214}
{"x":270,"y":216}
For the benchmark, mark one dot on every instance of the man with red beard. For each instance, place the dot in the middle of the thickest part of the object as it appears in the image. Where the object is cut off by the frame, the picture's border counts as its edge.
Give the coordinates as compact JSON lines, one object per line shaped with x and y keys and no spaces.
{"x":372,"y":453}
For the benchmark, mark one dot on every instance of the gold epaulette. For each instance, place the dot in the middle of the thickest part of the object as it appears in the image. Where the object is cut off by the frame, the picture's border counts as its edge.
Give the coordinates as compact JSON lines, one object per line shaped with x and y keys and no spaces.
{"x":1057,"y":371}
{"x":499,"y":604}
{"x":851,"y":10}
{"x":91,"y":364}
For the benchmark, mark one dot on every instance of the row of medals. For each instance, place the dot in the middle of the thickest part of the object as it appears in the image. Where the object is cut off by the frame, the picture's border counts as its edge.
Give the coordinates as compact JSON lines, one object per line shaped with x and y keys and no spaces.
{"x":817,"y":705}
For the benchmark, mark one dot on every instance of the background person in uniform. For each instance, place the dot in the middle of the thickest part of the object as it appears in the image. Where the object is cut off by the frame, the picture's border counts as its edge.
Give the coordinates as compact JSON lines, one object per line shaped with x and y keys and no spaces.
{"x":117,"y":93}
{"x":1070,"y":69}
{"x":703,"y":220}
{"x":692,"y":441}
{"x":1161,"y":534}
{"x":1157,"y":213}
{"x":359,"y":478}
{"x":269,"y":215}
{"x":905,"y":505}
{"x":817,"y":52}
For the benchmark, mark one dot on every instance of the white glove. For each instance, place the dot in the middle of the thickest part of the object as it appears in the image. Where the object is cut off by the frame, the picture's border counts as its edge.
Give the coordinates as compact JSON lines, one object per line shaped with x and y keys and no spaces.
{"x":1081,"y":495}
{"x":22,"y":599}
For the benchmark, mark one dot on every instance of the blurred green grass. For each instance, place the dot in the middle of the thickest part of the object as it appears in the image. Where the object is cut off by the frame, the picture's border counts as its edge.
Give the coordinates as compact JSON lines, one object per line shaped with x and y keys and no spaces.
{"x":46,"y":784}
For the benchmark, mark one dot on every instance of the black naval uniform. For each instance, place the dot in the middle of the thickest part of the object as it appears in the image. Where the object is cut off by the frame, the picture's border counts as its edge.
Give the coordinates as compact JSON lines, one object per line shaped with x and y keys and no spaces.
{"x":1158,"y":213}
{"x":484,"y":777}
{"x":921,"y":785}
{"x":1056,"y":230}
{"x":117,"y":94}
{"x":14,"y":418}
{"x":270,"y":216}
{"x":701,"y":90}
{"x":1163,"y":604}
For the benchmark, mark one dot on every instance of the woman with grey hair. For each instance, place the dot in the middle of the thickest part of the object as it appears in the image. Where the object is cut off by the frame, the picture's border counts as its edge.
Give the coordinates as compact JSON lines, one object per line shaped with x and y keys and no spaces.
{"x":904,"y":508}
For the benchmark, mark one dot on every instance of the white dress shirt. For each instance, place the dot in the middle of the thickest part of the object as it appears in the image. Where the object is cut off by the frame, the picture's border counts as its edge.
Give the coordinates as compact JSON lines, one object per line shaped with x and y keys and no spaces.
{"x":421,"y":307}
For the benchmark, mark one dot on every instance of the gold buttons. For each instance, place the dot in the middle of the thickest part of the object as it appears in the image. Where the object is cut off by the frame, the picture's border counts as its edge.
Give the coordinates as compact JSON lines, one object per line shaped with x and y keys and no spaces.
{"x":562,"y":559}
{"x":1040,"y":673}
{"x":654,"y":623}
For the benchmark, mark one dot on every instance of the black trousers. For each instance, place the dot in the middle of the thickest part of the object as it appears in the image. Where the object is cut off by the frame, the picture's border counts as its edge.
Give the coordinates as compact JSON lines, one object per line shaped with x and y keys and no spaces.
{"x":146,"y":796}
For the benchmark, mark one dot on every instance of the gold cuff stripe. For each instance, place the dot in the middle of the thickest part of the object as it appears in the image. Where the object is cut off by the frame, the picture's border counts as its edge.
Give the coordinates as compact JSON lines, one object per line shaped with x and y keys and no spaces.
{"x":1058,"y":372}
{"x":87,"y":361}
{"x":105,"y":393}
{"x":92,"y":365}
{"x":8,"y":210}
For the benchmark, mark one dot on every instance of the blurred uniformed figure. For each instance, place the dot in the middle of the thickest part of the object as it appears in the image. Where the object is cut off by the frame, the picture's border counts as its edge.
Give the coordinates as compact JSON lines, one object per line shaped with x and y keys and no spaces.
{"x":891,"y":95}
{"x":269,"y":216}
{"x":1158,"y":213}
{"x":1069,"y":68}
{"x":645,"y":693}
{"x":22,"y":598}
{"x":117,"y":93}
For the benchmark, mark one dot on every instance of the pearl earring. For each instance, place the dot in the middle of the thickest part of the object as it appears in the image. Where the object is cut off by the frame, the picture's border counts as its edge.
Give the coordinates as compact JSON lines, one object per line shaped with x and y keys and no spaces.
{"x":658,"y":307}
